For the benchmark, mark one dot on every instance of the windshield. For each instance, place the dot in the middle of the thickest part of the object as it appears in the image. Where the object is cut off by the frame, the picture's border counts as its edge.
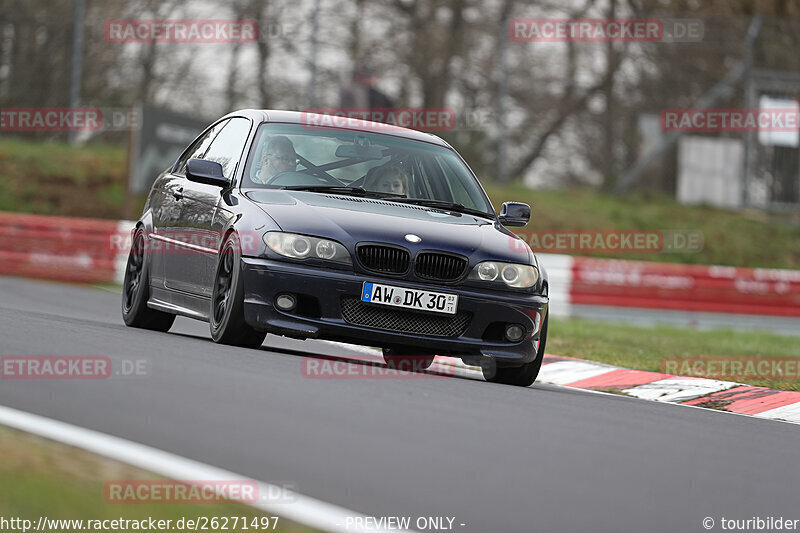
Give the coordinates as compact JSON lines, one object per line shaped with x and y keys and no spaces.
{"x":297,"y":156}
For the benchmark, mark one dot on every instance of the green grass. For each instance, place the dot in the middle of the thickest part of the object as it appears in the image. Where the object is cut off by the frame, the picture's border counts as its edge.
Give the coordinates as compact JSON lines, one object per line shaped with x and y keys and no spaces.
{"x":644,"y":348}
{"x":39,"y":477}
{"x":62,"y":160}
{"x":746,"y":239}
{"x":54,"y":178}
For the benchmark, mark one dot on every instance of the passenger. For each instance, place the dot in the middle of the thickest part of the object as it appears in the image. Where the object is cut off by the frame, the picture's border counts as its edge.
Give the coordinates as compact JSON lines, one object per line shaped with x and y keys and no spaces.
{"x":279,"y":156}
{"x":388,"y":178}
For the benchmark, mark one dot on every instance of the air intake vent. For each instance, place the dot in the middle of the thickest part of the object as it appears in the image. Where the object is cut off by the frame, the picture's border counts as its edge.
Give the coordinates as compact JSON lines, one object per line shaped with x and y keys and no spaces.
{"x":383,"y":259}
{"x":374,"y":316}
{"x":440,"y":267}
{"x":378,"y":202}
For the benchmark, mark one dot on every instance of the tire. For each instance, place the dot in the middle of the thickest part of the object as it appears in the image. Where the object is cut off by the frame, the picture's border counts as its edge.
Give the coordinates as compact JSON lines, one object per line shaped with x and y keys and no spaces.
{"x":521,"y":376}
{"x":407,"y":359}
{"x":136,"y":291}
{"x":226,"y":316}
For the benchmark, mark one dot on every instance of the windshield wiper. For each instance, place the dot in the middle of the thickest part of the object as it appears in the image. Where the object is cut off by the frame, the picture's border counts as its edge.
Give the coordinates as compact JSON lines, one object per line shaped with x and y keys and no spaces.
{"x":440,"y":204}
{"x":338,"y":189}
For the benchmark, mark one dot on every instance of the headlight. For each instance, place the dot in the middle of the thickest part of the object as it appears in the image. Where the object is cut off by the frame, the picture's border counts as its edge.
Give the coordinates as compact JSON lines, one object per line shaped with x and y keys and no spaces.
{"x":487,"y":271}
{"x":511,"y":274}
{"x":304,"y":247}
{"x":326,"y":249}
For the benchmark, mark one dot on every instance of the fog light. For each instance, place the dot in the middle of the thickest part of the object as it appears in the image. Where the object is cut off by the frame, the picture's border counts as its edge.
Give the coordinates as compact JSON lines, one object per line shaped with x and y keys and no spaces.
{"x":286,"y":302}
{"x":515,"y":332}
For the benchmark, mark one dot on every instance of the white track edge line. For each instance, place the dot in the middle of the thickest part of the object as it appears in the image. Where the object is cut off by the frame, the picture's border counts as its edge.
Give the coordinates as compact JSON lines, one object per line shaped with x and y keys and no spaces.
{"x":301,"y":509}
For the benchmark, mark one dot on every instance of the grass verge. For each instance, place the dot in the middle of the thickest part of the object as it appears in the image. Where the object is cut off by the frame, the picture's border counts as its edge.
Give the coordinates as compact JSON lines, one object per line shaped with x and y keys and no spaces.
{"x":55,"y":178}
{"x":744,"y":239}
{"x":644,"y":348}
{"x":43,"y":478}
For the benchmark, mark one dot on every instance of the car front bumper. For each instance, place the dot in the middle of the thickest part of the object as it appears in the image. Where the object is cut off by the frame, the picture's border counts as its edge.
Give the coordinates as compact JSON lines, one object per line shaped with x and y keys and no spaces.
{"x":329,"y":307}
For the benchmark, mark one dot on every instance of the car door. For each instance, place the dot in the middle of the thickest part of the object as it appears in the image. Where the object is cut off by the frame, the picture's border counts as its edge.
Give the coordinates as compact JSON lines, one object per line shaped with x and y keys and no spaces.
{"x":172,"y":235}
{"x":165,"y":211}
{"x":203,"y":212}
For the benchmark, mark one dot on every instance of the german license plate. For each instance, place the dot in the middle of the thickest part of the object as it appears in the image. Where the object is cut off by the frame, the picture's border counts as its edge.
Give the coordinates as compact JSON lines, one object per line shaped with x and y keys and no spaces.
{"x":436,"y":302}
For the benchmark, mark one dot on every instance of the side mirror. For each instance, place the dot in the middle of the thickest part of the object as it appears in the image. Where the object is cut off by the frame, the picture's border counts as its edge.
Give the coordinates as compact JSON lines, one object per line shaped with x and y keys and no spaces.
{"x":515,"y":214}
{"x":208,"y":172}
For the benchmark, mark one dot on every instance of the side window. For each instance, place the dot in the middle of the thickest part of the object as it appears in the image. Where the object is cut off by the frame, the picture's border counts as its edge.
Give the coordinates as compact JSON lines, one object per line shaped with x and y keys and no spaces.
{"x":198,"y":149}
{"x":228,"y":146}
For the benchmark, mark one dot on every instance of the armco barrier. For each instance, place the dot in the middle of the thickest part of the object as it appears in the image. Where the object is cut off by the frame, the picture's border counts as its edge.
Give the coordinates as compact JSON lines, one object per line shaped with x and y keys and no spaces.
{"x":88,"y":250}
{"x":716,"y":289}
{"x":67,"y":249}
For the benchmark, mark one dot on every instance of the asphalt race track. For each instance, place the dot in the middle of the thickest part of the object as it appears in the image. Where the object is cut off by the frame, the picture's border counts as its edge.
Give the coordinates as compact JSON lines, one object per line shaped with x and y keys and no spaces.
{"x":496,"y":458}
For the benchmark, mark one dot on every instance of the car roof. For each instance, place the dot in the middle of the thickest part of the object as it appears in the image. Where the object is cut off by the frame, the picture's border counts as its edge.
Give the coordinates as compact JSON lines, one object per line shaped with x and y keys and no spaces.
{"x":298,"y":117}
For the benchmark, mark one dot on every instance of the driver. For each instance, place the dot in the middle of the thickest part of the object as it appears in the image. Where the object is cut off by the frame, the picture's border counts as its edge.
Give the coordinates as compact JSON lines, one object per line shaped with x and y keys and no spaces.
{"x":388,"y":178}
{"x":279,"y":156}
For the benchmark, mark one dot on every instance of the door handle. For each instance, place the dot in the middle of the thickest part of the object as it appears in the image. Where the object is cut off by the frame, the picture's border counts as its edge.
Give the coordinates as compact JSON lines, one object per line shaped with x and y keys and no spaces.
{"x":177,"y":193}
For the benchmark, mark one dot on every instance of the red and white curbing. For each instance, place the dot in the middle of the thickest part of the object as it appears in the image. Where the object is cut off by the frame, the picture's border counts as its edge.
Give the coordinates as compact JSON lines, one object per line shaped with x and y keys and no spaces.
{"x":723,"y":395}
{"x":699,"y":392}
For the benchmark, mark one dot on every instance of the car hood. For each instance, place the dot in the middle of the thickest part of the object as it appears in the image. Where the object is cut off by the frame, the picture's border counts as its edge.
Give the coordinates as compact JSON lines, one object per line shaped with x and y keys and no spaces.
{"x":351,"y":220}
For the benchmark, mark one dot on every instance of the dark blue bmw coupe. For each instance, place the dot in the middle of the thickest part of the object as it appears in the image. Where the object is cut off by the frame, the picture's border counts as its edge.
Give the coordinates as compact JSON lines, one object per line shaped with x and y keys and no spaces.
{"x":358,"y":232}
